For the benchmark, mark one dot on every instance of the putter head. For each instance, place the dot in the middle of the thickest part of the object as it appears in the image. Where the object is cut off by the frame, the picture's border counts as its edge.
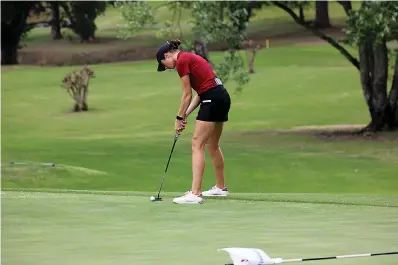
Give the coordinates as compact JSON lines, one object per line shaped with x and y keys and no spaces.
{"x":154,"y":199}
{"x":250,"y":256}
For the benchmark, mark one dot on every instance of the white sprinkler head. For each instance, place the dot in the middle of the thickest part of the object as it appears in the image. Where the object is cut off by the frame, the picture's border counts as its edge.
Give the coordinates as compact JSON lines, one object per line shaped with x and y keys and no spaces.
{"x":250,"y":256}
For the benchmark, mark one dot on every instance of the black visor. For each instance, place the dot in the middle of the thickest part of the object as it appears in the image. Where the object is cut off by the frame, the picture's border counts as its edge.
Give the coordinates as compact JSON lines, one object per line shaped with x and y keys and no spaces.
{"x":160,"y":56}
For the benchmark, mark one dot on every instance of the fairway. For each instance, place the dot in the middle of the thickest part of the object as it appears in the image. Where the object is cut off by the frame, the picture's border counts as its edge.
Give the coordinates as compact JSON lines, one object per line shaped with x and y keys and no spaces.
{"x":98,"y":229}
{"x":123,"y":141}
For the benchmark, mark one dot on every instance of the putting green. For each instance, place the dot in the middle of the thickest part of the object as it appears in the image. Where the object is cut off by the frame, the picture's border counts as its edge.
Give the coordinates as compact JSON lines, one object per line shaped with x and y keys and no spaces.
{"x":41,"y":228}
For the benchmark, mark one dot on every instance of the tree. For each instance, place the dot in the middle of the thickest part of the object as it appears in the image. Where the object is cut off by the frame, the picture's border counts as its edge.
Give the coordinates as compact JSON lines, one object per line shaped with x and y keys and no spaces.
{"x":231,"y":30}
{"x":55,"y":21}
{"x":322,"y":14}
{"x":213,"y":21}
{"x":82,"y":15}
{"x":13,"y":28}
{"x":369,"y":29}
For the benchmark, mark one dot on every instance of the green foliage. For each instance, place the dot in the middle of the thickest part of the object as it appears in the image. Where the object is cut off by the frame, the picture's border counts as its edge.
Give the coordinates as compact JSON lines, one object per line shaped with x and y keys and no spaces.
{"x":13,"y":19}
{"x":82,"y":15}
{"x":172,"y":28}
{"x":376,"y":20}
{"x":214,"y":28}
{"x":14,"y":28}
{"x":140,"y":14}
{"x":208,"y":26}
{"x":137,"y":14}
{"x":207,"y":21}
{"x":232,"y":65}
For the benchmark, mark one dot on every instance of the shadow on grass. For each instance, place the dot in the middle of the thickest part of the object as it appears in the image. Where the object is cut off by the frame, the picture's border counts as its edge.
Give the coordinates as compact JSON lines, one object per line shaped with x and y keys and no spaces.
{"x":332,"y":132}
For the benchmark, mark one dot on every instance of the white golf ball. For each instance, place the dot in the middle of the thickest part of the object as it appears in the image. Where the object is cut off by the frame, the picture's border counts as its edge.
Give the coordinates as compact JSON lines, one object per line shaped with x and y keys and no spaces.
{"x":152,"y":198}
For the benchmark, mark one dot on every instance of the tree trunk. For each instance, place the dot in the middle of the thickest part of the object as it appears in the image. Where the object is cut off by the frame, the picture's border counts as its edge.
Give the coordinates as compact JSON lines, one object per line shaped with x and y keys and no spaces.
{"x":392,"y":108}
{"x":347,"y":6}
{"x":301,"y":11}
{"x":318,"y":33}
{"x":55,"y":21}
{"x":201,"y":49}
{"x":249,"y":14}
{"x":366,"y":65}
{"x":9,"y":53}
{"x":379,"y":95}
{"x":373,"y":73}
{"x":373,"y":60}
{"x":322,"y":14}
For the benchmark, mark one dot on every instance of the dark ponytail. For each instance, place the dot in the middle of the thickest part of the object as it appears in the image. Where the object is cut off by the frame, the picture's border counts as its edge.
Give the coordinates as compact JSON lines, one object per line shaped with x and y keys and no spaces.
{"x":173,"y":44}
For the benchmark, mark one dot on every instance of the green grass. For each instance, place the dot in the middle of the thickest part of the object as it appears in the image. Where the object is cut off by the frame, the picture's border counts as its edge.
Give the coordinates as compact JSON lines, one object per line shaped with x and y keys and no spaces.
{"x":124,"y":141}
{"x":292,"y":194}
{"x":84,"y":229}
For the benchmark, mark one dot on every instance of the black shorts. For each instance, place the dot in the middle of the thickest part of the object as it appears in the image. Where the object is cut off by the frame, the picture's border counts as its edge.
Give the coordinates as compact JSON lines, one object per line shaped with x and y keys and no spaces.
{"x":214,"y":105}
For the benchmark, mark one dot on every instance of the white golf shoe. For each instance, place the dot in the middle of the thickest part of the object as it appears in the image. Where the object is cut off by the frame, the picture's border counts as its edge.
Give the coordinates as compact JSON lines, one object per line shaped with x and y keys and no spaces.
{"x":188,"y":198}
{"x":214,"y":191}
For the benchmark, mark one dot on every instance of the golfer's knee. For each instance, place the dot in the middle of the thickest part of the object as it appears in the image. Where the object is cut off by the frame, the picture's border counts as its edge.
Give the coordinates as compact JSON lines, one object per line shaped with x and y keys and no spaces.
{"x":197,"y":143}
{"x":212,"y":147}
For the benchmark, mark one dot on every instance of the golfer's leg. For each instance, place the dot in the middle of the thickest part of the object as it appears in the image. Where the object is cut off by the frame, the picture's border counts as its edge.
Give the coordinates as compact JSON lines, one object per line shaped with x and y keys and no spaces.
{"x":202,"y":133}
{"x":216,"y":154}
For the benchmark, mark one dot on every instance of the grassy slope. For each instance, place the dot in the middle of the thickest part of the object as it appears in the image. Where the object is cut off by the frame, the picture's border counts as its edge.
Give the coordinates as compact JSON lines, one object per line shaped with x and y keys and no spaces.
{"x":124,"y":141}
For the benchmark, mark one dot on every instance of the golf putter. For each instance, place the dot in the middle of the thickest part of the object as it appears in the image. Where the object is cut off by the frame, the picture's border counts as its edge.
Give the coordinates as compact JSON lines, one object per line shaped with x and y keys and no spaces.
{"x":167,"y":166}
{"x":255,"y":256}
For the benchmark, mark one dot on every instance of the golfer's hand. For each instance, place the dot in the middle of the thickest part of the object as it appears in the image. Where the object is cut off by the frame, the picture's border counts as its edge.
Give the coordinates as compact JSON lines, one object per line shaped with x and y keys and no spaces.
{"x":177,"y":126}
{"x":180,"y":126}
{"x":183,"y":124}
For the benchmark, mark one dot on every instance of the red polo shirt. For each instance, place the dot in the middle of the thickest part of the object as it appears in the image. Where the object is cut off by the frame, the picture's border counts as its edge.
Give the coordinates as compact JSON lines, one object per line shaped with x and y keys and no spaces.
{"x":200,"y":72}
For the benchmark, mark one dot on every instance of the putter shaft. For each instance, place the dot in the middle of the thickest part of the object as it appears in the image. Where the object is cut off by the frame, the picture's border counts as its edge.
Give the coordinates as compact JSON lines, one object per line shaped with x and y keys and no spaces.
{"x":342,"y":257}
{"x":336,"y":257}
{"x":167,"y":166}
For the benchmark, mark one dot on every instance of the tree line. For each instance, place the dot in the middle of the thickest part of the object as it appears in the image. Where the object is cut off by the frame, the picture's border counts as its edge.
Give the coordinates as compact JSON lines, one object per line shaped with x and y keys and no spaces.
{"x":80,"y":17}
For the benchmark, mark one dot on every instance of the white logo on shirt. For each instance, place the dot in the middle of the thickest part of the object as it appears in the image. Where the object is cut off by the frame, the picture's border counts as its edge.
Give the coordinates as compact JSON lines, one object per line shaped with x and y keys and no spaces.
{"x":218,"y":81}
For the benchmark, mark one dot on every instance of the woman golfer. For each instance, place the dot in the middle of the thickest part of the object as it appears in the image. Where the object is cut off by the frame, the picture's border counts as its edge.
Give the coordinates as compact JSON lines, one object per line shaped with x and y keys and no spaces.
{"x":196,"y":73}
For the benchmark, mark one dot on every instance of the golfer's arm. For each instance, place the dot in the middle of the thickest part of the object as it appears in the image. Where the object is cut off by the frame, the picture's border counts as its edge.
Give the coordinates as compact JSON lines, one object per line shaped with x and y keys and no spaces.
{"x":194,"y":104}
{"x":186,"y":95}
